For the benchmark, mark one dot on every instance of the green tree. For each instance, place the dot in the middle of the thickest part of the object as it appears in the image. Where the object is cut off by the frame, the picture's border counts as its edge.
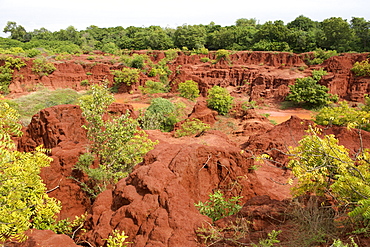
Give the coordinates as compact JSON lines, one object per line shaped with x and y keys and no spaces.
{"x":337,"y":34}
{"x":189,"y":89}
{"x":192,"y":37}
{"x":16,"y":32}
{"x":307,"y":92}
{"x":24,"y":203}
{"x":220,"y":100}
{"x":322,"y":166}
{"x":361,"y":28}
{"x":116,"y":141}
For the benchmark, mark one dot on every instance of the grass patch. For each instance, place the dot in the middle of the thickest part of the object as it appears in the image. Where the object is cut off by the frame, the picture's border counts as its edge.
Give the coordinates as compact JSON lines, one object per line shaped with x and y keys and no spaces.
{"x":32,"y":103}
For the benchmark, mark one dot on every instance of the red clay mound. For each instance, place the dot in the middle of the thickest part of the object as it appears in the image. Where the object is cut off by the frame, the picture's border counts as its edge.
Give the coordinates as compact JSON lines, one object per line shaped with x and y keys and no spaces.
{"x":155,"y":204}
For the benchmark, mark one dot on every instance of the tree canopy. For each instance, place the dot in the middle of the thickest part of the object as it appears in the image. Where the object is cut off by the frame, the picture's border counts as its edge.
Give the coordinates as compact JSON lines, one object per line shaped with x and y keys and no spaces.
{"x":300,"y":35}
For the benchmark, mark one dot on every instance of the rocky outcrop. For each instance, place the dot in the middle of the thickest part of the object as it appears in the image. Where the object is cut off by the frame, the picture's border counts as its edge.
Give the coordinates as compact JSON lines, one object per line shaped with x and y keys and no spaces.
{"x":59,"y":129}
{"x":155,"y":204}
{"x":45,"y":238}
{"x":262,"y":75}
{"x":276,"y":141}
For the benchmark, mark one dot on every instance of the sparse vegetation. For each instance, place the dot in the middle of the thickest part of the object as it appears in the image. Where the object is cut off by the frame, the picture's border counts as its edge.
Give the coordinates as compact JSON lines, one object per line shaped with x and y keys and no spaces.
{"x":218,"y":207}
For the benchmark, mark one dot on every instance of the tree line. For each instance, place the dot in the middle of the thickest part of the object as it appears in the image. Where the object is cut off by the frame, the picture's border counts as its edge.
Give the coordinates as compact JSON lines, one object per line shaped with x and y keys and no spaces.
{"x":300,"y":35}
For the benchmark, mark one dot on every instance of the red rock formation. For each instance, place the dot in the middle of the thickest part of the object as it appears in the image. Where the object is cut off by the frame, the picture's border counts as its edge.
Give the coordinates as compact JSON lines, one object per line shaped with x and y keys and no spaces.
{"x":277,"y":140}
{"x":44,"y":238}
{"x":259,"y":74}
{"x":155,"y":204}
{"x":59,"y":128}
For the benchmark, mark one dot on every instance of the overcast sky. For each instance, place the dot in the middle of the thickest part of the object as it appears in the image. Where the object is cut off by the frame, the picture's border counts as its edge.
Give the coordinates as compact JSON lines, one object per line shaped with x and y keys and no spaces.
{"x":56,"y":15}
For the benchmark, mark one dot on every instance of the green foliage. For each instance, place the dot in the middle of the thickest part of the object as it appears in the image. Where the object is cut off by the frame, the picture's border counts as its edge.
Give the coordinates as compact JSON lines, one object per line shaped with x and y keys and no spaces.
{"x":23,"y":203}
{"x":361,"y":68}
{"x":205,"y":59}
{"x":344,"y":115}
{"x":319,"y":56}
{"x":117,"y":239}
{"x":322,"y":166}
{"x":6,"y":71}
{"x":171,"y":54}
{"x":249,"y":105}
{"x":33,"y":52}
{"x":117,"y":142}
{"x":218,"y":207}
{"x":191,"y":127}
{"x":85,"y":83}
{"x":69,"y":227}
{"x":189,"y":89}
{"x":136,"y":61}
{"x":270,"y":241}
{"x":42,"y":67}
{"x":152,"y":87}
{"x":161,"y":114}
{"x":220,"y":100}
{"x":307,"y":92}
{"x":222,"y":55}
{"x":339,"y":243}
{"x":127,"y":76}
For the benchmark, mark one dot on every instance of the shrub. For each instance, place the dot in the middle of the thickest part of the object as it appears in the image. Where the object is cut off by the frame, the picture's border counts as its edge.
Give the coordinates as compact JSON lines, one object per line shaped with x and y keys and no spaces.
{"x":323,"y":167}
{"x":24,"y":201}
{"x":189,"y":89}
{"x":42,"y":67}
{"x":218,"y":207}
{"x":33,"y":52}
{"x":63,"y":56}
{"x":319,"y":56}
{"x":116,"y":141}
{"x":307,"y":92}
{"x":343,"y":115}
{"x":136,"y":61}
{"x":205,"y":59}
{"x":191,"y":127}
{"x":222,"y":55}
{"x":127,"y":76}
{"x":152,"y":87}
{"x":161,"y":114}
{"x":117,"y":239}
{"x":85,"y":83}
{"x":219,"y":99}
{"x":361,"y":68}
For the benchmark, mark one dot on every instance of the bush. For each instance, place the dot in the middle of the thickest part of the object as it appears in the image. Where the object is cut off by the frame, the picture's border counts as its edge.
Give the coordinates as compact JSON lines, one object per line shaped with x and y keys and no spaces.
{"x":161,"y":114}
{"x":307,"y":92}
{"x":219,"y":99}
{"x":24,"y":201}
{"x":127,"y":76}
{"x":116,"y":141}
{"x":136,"y":61}
{"x":218,"y":207}
{"x":319,"y":56}
{"x":42,"y":67}
{"x":189,"y":89}
{"x":343,"y":115}
{"x":85,"y":83}
{"x":222,"y":55}
{"x":191,"y":127}
{"x":361,"y":68}
{"x":152,"y":87}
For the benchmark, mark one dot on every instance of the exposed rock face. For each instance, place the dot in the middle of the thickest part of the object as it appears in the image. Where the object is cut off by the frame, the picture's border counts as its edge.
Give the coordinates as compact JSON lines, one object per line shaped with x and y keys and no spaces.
{"x":45,"y":238}
{"x":59,"y":128}
{"x":276,"y":141}
{"x":155,"y":204}
{"x":264,"y":75}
